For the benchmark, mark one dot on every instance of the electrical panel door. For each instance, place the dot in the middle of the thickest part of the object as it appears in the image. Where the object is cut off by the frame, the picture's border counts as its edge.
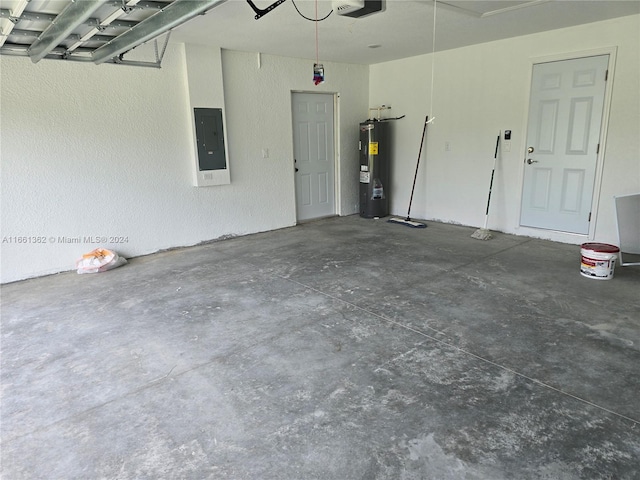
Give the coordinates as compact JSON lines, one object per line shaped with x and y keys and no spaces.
{"x":210,"y":139}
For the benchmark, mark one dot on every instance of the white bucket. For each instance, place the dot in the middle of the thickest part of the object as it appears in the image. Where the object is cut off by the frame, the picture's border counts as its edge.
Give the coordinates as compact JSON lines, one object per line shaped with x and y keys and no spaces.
{"x":598,"y":260}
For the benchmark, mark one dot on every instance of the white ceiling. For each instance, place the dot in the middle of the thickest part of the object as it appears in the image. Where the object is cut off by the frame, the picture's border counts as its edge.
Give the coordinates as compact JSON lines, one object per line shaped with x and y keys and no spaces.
{"x":403,"y":30}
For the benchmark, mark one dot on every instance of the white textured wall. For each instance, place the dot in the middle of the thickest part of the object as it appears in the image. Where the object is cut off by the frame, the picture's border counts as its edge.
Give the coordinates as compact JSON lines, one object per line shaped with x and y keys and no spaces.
{"x":203,"y":66}
{"x":107,"y":151}
{"x":258,"y":99}
{"x":482,"y":89}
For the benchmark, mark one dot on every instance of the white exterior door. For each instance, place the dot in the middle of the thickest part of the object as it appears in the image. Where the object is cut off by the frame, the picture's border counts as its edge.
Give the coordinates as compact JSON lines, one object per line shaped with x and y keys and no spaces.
{"x":563,"y":136}
{"x":314,"y":154}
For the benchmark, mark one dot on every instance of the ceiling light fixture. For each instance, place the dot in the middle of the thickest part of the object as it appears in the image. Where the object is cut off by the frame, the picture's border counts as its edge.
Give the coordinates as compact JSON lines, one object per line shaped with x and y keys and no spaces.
{"x":177,"y":13}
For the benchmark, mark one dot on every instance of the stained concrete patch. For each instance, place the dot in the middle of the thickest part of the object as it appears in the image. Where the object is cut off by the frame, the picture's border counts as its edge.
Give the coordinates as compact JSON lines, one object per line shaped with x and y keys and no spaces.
{"x":344,"y":349}
{"x":428,"y":460}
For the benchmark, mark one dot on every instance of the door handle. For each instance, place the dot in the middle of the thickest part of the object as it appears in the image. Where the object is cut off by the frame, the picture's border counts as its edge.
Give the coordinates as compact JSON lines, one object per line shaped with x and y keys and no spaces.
{"x":296,"y":169}
{"x":529,"y":161}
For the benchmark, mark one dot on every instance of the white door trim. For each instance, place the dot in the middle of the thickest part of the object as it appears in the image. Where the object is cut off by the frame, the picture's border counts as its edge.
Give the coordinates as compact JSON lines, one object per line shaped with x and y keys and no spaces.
{"x":336,"y":146}
{"x":337,"y":179}
{"x":565,"y":236}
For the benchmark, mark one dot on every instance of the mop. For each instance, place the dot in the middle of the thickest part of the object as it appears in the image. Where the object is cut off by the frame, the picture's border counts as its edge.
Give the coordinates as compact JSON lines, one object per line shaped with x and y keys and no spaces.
{"x":484,"y":233}
{"x":407,"y":221}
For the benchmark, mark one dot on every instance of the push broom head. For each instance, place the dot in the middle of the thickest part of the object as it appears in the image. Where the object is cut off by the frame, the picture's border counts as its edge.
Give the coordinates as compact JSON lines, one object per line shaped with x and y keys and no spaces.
{"x":407,"y":222}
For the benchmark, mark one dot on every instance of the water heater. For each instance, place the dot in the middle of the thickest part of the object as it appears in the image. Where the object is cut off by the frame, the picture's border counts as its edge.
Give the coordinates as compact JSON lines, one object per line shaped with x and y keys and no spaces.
{"x":374,"y":168}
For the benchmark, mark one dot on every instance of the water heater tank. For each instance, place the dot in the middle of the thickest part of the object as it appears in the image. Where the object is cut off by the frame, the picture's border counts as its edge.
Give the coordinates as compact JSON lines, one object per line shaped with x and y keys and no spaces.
{"x":374,"y":169}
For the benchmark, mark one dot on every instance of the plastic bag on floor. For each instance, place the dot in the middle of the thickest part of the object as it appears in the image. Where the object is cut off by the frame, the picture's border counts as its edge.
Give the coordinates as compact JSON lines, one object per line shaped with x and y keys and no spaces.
{"x":99,"y":260}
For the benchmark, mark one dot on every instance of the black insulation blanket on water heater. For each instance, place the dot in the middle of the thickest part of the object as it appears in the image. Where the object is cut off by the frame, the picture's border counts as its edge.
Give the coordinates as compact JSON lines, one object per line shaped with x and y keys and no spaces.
{"x":374,"y":169}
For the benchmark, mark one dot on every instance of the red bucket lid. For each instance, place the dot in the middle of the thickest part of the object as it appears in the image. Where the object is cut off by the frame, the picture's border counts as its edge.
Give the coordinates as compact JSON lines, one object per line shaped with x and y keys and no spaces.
{"x":601,"y":247}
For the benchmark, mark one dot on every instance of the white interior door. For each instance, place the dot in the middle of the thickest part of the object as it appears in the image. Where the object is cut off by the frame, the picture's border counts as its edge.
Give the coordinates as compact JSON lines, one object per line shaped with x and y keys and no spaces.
{"x":563,"y":136}
{"x":314,"y":154}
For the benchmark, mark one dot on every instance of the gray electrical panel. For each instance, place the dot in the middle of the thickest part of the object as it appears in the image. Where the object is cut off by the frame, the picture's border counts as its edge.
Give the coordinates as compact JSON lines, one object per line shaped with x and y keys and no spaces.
{"x":210,"y":139}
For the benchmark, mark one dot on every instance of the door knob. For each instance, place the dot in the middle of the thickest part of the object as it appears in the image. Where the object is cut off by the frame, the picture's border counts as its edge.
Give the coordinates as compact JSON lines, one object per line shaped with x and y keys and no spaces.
{"x":530,"y":149}
{"x":529,"y":161}
{"x":296,"y":169}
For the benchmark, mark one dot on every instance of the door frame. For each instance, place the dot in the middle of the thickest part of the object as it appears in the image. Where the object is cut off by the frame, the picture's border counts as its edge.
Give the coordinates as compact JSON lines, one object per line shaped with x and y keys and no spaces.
{"x":337,"y":178}
{"x":606,"y":111}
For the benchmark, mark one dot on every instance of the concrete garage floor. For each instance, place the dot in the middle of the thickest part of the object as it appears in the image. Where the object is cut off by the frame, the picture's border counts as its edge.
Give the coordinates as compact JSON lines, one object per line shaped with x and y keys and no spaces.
{"x":340,"y":349}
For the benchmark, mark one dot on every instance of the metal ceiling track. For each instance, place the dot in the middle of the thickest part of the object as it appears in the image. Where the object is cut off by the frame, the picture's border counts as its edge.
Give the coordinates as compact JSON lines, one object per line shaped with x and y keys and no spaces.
{"x":74,"y":14}
{"x":12,"y":16}
{"x":177,"y":13}
{"x":92,"y":30}
{"x":49,"y":17}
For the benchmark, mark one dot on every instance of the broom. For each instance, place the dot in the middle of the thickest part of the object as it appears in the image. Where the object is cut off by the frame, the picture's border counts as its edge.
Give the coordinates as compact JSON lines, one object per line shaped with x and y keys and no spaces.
{"x":407,"y":221}
{"x":484,"y":233}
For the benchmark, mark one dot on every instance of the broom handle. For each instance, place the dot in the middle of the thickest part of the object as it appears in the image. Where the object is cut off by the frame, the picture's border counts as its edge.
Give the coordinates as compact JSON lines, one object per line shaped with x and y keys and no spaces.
{"x":415,"y":177}
{"x":493,"y":171}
